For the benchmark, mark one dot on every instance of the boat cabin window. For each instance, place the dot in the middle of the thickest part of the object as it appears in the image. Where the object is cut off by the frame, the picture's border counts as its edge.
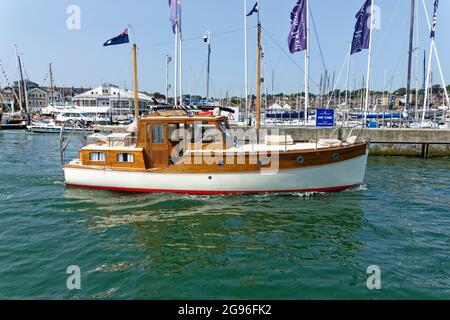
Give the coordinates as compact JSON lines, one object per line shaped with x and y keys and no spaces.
{"x":125,"y":157}
{"x":158,"y":133}
{"x":97,"y":157}
{"x":203,"y":132}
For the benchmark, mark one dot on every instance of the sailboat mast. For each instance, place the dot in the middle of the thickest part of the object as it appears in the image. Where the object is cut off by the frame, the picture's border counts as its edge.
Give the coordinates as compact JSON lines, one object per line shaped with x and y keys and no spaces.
{"x":24,"y":86}
{"x":135,"y":77}
{"x":349,"y":58}
{"x":1,"y":99}
{"x":180,"y":72}
{"x":18,"y":79}
{"x":246,"y":62}
{"x":258,"y":78}
{"x":410,"y":53}
{"x":52,"y":88}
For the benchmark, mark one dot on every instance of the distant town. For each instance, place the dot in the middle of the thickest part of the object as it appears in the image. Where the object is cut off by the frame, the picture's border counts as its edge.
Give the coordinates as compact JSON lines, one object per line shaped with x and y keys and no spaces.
{"x":121,"y":100}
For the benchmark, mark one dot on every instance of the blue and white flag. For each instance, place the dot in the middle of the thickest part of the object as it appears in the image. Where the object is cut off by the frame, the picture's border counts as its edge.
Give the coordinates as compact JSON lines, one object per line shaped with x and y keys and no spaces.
{"x":175,"y":14}
{"x":297,"y":39}
{"x":362,"y":34}
{"x":120,"y":39}
{"x":433,"y":28}
{"x":254,"y":10}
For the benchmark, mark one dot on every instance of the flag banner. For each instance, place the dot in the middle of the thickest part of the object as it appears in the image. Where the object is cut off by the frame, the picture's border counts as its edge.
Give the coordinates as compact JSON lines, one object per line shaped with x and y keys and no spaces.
{"x":175,"y":14}
{"x":433,"y":28}
{"x":254,"y":10}
{"x":297,"y":39}
{"x":361,"y":37}
{"x":120,"y":39}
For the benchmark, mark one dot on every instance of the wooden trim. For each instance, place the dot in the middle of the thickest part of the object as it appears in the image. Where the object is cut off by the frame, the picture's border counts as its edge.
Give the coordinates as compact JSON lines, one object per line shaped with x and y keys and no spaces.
{"x":288,"y":160}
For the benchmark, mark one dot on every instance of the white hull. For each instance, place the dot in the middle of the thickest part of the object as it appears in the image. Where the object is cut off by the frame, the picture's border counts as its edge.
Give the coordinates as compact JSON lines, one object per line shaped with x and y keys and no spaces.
{"x":331,"y":177}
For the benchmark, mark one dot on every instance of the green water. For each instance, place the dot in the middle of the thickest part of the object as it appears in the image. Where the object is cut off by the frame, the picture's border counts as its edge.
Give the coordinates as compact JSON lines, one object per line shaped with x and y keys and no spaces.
{"x":159,"y":246}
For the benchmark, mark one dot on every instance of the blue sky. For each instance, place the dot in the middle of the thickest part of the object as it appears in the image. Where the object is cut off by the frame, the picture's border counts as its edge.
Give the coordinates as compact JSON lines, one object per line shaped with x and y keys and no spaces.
{"x":39,"y":30}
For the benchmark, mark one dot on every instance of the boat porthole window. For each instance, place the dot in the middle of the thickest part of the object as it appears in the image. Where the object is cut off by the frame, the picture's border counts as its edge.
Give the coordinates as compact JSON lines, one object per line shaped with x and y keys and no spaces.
{"x":97,"y":157}
{"x":220,"y":163}
{"x":263,"y":162}
{"x":300,"y":160}
{"x":210,"y":178}
{"x":335,"y":155}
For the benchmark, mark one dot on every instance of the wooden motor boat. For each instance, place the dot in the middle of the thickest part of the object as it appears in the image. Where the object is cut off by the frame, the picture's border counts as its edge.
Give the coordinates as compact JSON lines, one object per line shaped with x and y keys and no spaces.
{"x":173,"y":151}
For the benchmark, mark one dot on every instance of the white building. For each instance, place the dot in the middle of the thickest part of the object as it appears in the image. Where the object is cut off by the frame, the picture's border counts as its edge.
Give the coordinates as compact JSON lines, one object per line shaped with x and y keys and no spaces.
{"x":121,"y":101}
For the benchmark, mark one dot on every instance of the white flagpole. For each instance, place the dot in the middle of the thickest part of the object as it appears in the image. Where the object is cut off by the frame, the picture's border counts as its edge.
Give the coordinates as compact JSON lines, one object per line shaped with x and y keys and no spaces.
{"x":366,"y":107}
{"x":246,"y":61}
{"x":307,"y":64}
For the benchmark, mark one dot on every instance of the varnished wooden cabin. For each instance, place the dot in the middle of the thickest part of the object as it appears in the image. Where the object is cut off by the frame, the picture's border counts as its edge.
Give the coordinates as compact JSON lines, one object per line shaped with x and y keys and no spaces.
{"x":157,"y":137}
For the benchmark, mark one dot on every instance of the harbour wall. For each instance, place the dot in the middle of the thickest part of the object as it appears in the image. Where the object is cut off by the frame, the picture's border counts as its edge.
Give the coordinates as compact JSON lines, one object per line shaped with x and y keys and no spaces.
{"x":383,"y":141}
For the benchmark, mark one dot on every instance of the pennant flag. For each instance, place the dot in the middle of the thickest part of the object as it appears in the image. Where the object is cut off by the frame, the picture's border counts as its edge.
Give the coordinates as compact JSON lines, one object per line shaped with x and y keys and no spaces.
{"x":120,"y":39}
{"x":297,"y":39}
{"x":175,"y":14}
{"x":254,"y":10}
{"x":361,"y":36}
{"x":433,"y":28}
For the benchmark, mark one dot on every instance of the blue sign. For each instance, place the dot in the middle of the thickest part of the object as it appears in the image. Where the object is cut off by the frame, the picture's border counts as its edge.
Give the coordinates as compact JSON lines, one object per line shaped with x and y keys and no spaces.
{"x":325,"y":118}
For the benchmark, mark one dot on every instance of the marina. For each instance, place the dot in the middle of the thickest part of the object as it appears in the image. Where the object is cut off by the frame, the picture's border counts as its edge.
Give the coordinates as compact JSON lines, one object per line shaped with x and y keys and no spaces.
{"x":224,"y":169}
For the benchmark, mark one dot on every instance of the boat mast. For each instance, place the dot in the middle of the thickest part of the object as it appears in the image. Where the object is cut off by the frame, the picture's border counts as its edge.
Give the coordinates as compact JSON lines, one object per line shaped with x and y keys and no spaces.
{"x":168,"y":60}
{"x":349,"y":58}
{"x":258,"y":77}
{"x":246,"y":62}
{"x":307,"y":64}
{"x":18,"y":79}
{"x":410,"y":53}
{"x":207,"y":39}
{"x":369,"y":61}
{"x":175,"y":87}
{"x":24,"y":85}
{"x":135,"y":77}
{"x":52,"y":90}
{"x":1,"y":100}
{"x":179,"y":46}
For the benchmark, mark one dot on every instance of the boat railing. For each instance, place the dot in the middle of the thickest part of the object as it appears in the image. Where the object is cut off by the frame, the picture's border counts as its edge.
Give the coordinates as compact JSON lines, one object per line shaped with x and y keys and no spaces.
{"x":64,"y":140}
{"x":348,"y":132}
